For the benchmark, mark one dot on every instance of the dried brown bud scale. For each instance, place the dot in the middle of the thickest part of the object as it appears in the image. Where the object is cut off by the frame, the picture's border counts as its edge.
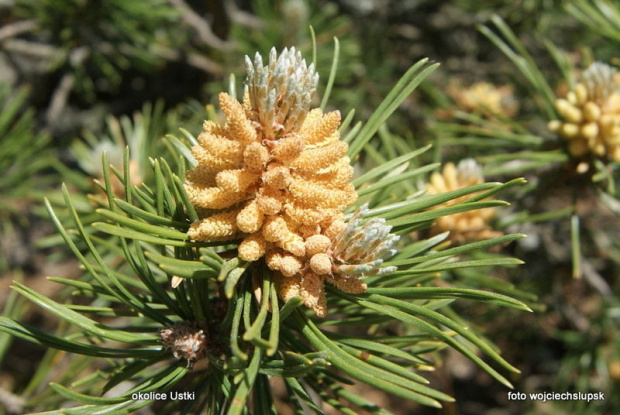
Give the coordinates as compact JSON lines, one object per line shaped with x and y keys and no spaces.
{"x":186,"y":340}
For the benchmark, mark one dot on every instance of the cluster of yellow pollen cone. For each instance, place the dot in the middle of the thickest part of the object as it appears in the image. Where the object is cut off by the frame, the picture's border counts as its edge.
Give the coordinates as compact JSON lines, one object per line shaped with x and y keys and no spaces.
{"x":276,"y":176}
{"x":464,"y":226}
{"x":590,"y":114}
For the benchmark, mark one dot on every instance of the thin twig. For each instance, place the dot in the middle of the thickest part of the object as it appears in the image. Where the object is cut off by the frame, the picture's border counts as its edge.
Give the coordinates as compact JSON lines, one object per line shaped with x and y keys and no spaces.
{"x":26,"y":47}
{"x":239,"y":16}
{"x":203,"y":29}
{"x":194,"y":59}
{"x":204,"y":63}
{"x":64,"y":88}
{"x":12,"y":403}
{"x":17,"y":28}
{"x":594,"y":279}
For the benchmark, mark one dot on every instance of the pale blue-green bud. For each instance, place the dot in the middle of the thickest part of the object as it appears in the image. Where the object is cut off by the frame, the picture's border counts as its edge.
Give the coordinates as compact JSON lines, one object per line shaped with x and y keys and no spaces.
{"x":281,"y":92}
{"x":360,"y":249}
{"x":600,"y":81}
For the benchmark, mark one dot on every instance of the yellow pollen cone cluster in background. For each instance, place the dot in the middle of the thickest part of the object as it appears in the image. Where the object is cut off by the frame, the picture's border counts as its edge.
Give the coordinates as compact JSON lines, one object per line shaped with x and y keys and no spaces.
{"x":485,"y":98}
{"x":463,"y":226}
{"x":590,"y":114}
